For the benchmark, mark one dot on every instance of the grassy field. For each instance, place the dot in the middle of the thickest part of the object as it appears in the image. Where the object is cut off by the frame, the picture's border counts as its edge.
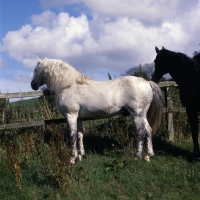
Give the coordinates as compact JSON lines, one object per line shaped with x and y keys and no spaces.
{"x":27,"y":104}
{"x":111,"y":174}
{"x":34,"y":162}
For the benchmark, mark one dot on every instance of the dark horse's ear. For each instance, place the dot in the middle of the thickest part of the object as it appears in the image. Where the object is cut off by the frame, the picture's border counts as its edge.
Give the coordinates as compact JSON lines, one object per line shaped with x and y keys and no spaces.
{"x":163,"y":47}
{"x":157,"y":50}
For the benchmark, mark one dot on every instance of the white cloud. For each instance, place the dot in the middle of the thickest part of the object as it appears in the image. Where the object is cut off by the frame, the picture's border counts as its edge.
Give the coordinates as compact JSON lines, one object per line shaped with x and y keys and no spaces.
{"x":15,"y":81}
{"x":120,"y":35}
{"x":60,"y":39}
{"x":10,"y":86}
{"x":176,"y":32}
{"x":45,"y":19}
{"x":146,"y":11}
{"x":1,"y":61}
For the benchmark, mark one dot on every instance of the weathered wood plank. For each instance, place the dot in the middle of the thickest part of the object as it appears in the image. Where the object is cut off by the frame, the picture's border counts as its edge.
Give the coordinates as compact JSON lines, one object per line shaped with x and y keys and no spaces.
{"x":175,"y":109}
{"x":23,"y":94}
{"x":170,"y":127}
{"x":167,"y":84}
{"x":33,"y":123}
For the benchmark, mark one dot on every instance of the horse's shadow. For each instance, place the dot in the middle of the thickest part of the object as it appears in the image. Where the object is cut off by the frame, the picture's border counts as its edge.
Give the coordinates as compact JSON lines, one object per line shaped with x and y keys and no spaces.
{"x":97,"y":144}
{"x":163,"y":147}
{"x":92,"y":142}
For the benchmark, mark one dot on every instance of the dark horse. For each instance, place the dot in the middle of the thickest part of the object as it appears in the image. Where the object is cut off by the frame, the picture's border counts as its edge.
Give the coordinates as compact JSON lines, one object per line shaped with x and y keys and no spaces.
{"x":186,"y":72}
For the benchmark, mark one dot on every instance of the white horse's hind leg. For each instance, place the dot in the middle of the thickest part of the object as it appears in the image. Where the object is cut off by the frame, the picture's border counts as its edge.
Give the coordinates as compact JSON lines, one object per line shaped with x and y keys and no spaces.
{"x":143,"y":129}
{"x":81,"y":150}
{"x":140,"y":143}
{"x":149,"y":142}
{"x":80,"y":145}
{"x":150,"y":152}
{"x":138,"y":121}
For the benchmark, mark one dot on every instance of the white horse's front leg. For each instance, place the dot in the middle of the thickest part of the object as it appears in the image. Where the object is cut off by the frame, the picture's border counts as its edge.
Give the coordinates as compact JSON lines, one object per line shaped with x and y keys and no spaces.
{"x":74,"y":153}
{"x":72,"y":125}
{"x":81,"y":150}
{"x":80,"y":145}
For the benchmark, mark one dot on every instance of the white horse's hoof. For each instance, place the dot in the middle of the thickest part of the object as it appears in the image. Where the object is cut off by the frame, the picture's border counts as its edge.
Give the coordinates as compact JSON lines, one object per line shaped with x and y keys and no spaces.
{"x":72,"y":160}
{"x":151,"y":154}
{"x":139,"y":155}
{"x":79,"y":157}
{"x":138,"y":158}
{"x":147,"y":158}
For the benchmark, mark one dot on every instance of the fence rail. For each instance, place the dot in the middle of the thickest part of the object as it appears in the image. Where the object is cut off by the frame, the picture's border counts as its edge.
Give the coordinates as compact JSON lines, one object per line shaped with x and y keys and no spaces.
{"x":33,"y":123}
{"x":24,"y":94}
{"x":168,"y":109}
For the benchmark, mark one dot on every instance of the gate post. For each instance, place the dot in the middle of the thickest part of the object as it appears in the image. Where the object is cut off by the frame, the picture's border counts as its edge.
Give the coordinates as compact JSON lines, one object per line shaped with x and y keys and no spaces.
{"x":170,"y":126}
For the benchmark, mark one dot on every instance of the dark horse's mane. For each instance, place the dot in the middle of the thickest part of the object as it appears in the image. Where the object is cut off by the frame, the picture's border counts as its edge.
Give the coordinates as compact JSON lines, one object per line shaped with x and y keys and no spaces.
{"x":191,"y":64}
{"x":187,"y":74}
{"x":184,"y":61}
{"x":197,"y":58}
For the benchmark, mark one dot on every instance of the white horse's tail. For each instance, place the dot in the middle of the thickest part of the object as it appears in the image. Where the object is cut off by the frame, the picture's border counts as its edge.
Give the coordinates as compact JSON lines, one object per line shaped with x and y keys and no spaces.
{"x":155,"y":111}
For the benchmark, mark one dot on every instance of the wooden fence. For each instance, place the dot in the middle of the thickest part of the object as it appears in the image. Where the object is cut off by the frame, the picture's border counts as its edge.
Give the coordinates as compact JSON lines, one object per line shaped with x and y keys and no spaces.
{"x":163,"y":85}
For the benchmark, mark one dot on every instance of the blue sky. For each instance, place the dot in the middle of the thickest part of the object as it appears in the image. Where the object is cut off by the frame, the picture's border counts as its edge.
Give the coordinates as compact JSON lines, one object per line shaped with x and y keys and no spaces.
{"x":95,"y":37}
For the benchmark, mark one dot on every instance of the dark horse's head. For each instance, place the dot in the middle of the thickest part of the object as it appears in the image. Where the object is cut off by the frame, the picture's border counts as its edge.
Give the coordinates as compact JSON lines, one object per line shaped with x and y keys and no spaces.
{"x":177,"y":64}
{"x":161,"y":62}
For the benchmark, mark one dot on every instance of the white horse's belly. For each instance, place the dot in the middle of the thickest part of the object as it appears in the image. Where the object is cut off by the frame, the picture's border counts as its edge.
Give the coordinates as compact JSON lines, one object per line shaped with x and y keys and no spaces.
{"x":85,"y":113}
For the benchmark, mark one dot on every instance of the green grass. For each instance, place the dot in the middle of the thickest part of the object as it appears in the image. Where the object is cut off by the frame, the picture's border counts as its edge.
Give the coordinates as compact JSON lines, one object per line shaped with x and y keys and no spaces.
{"x":113,"y":174}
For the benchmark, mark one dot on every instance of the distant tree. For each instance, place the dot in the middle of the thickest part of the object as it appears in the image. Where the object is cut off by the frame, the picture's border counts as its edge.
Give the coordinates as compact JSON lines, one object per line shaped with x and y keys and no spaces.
{"x":109,"y":76}
{"x":144,"y":71}
{"x":196,"y":56}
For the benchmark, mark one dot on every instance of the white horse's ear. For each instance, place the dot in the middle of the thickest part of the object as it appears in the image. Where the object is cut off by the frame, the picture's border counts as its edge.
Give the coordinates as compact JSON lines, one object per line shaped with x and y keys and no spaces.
{"x":157,"y":50}
{"x":38,"y":60}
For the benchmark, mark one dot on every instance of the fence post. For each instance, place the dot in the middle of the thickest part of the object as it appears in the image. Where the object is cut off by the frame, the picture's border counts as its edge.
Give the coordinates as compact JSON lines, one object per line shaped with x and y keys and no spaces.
{"x":3,"y":115}
{"x":170,"y":125}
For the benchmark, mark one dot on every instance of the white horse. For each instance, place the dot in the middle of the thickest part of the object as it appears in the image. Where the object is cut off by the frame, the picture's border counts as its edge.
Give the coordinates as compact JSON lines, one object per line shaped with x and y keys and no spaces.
{"x":80,"y":98}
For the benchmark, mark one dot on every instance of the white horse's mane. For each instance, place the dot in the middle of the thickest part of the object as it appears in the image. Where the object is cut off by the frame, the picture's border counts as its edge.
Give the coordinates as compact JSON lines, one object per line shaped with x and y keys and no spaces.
{"x":59,"y":75}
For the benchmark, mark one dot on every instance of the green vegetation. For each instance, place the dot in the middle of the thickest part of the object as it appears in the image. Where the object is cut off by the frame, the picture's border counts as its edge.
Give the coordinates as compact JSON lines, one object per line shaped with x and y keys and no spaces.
{"x":27,"y":104}
{"x":34,"y":162}
{"x":114,"y":174}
